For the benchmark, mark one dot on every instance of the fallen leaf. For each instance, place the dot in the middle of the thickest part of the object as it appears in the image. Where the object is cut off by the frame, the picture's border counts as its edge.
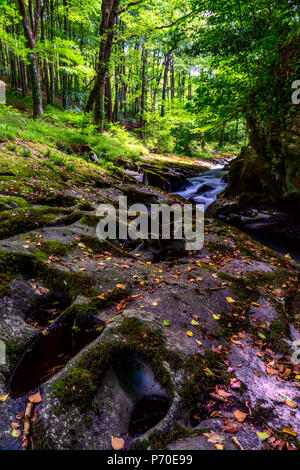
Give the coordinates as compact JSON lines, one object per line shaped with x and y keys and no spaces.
{"x":120,"y":287}
{"x":36,"y":398}
{"x":166,"y":323}
{"x":219,"y":446}
{"x":190,"y":333}
{"x":222,"y":392}
{"x":240,"y":416}
{"x":271,"y":371}
{"x":16,"y":433}
{"x":230,"y":300}
{"x":235,"y":384}
{"x":15,"y":425}
{"x":117,"y":443}
{"x":3,"y":398}
{"x":289,"y":430}
{"x":237,"y":443}
{"x":291,"y":404}
{"x":229,"y":427}
{"x":213,"y":437}
{"x":263,"y":435}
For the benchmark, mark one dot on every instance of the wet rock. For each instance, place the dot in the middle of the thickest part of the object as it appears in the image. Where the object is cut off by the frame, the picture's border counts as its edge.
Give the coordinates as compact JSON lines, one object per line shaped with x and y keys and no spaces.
{"x":264,"y":390}
{"x":264,"y":312}
{"x":13,"y":328}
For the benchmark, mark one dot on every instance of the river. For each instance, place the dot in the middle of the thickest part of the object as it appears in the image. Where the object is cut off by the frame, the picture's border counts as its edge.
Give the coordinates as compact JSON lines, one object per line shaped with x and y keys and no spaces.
{"x":205,"y":188}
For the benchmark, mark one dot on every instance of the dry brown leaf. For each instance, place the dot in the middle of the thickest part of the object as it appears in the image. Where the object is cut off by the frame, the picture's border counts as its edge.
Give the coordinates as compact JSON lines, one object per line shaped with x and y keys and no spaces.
{"x":222,"y":392}
{"x":291,"y":404}
{"x":213,"y":437}
{"x":120,"y":287}
{"x":240,"y":416}
{"x":15,"y":425}
{"x":117,"y":443}
{"x":271,"y":371}
{"x":36,"y":398}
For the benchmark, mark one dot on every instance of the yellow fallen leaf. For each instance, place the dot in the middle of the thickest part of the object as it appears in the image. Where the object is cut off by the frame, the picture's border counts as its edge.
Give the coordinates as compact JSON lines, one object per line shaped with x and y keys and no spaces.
{"x":255,"y":304}
{"x":216,"y":317}
{"x":117,"y":443}
{"x":230,"y":300}
{"x":16,"y":433}
{"x":219,"y":446}
{"x":198,"y":342}
{"x":3,"y":398}
{"x":209,"y":373}
{"x":289,"y":430}
{"x":154,"y":304}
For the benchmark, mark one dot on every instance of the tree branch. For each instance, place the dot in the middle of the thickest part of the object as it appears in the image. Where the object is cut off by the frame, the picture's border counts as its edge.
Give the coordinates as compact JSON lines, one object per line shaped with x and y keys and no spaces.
{"x":131,"y":4}
{"x":175,"y":22}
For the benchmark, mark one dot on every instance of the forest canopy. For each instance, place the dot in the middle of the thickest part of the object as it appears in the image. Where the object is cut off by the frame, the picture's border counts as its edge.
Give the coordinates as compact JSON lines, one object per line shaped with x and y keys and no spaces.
{"x":204,"y":69}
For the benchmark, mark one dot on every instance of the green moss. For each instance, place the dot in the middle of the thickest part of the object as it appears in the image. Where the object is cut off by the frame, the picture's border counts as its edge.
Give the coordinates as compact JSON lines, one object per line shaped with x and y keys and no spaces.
{"x":159,"y":440}
{"x":13,"y":352}
{"x":9,"y":268}
{"x":79,"y":386}
{"x":57,"y":200}
{"x":38,"y":436}
{"x":99,"y":246}
{"x":204,"y":373}
{"x":10,"y":202}
{"x":219,"y":247}
{"x":13,"y":223}
{"x":85,"y":206}
{"x":90,"y":220}
{"x":70,"y":284}
{"x":55,"y":248}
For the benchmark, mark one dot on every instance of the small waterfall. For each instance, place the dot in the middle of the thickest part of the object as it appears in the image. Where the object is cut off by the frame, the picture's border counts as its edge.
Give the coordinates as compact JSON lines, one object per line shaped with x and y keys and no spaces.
{"x":204,"y":189}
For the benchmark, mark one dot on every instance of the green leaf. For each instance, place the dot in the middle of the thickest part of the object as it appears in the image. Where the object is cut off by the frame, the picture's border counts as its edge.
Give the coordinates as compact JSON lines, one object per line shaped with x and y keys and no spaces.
{"x":263,"y":435}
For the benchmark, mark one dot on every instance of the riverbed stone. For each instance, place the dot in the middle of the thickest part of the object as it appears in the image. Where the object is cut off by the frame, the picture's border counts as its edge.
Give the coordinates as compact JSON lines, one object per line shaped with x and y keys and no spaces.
{"x":186,"y":315}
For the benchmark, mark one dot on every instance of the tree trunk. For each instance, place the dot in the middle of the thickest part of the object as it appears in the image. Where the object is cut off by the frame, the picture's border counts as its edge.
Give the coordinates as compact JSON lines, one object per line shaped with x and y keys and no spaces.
{"x":109,"y":14}
{"x":31,"y":33}
{"x":36,"y":86}
{"x":165,"y":84}
{"x":108,"y":99}
{"x":143,"y":92}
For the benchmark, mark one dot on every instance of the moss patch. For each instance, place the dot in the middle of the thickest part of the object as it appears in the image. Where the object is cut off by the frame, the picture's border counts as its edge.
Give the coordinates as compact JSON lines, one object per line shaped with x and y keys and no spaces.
{"x":159,"y":440}
{"x":79,"y":386}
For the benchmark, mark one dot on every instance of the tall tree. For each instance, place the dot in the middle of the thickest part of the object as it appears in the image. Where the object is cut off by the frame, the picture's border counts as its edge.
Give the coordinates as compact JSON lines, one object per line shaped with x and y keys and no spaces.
{"x":31,"y":30}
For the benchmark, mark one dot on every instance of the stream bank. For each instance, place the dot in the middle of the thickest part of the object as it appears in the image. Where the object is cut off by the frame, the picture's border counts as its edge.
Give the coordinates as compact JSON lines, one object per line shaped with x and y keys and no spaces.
{"x":191,"y":338}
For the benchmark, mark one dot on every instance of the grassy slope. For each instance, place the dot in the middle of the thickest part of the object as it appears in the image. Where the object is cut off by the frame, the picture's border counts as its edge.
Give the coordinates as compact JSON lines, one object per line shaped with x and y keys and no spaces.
{"x":71,"y":133}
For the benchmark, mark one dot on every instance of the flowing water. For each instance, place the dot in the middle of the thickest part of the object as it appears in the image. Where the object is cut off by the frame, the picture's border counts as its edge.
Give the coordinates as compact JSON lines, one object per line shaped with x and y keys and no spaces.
{"x":204,"y":189}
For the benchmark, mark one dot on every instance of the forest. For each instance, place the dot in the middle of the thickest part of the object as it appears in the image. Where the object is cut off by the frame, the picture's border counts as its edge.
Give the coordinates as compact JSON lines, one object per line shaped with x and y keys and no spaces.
{"x":141,"y":342}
